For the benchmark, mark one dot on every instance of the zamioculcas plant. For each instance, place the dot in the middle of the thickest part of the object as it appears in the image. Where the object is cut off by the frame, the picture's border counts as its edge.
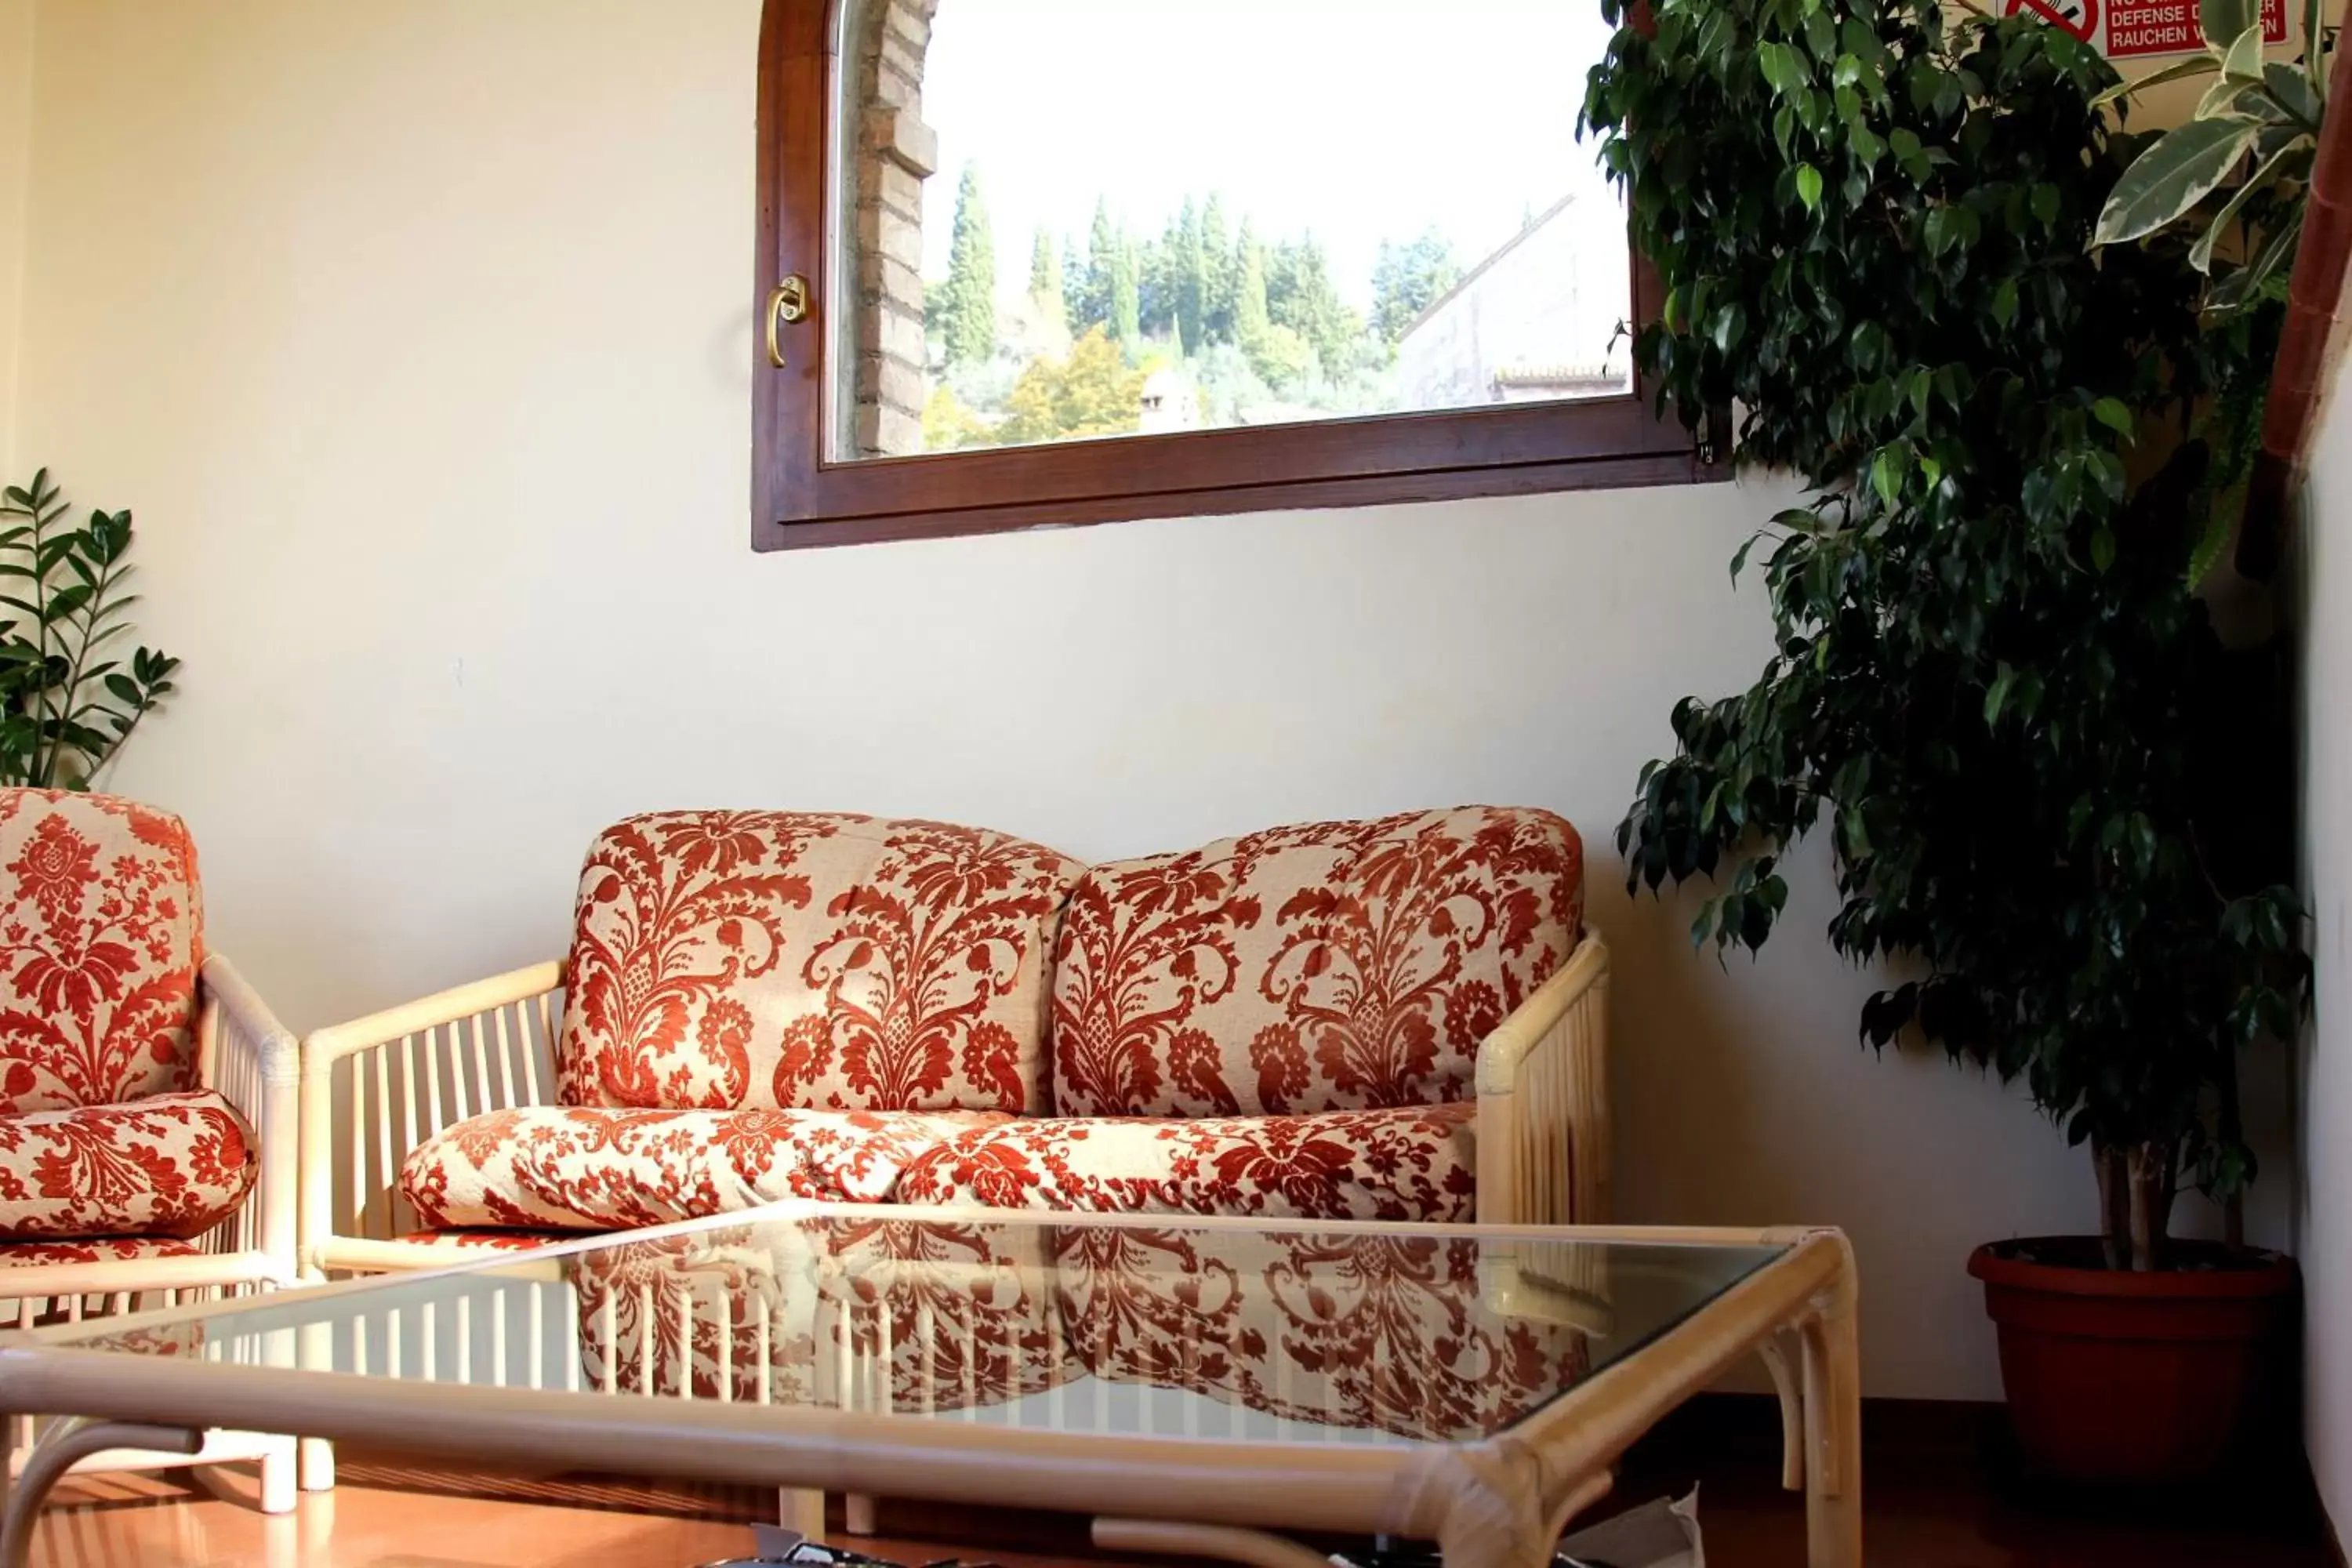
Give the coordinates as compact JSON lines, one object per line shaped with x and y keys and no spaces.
{"x":65,"y":705}
{"x":1990,"y":685}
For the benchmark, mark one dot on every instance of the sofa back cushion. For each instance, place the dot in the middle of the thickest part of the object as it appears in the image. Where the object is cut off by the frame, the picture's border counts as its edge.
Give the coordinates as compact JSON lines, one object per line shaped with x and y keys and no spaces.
{"x":101,"y":933}
{"x":1332,"y":966}
{"x":795,"y":960}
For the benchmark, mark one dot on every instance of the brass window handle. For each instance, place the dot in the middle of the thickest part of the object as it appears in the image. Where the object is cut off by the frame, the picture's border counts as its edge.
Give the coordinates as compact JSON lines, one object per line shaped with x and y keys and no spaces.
{"x":787,"y":304}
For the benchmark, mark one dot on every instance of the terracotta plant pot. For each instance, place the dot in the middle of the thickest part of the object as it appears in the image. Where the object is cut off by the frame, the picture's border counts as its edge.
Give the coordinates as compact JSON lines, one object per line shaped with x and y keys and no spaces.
{"x":2119,"y":1377}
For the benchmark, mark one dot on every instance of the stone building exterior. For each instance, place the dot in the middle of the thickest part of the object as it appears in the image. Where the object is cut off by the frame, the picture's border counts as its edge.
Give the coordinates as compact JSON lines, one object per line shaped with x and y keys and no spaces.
{"x":1532,"y":322}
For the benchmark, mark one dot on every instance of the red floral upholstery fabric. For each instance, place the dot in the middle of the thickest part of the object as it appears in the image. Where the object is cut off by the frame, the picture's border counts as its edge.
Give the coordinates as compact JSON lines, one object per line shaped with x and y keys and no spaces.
{"x":1333,"y":966}
{"x":853,"y":1314}
{"x":1361,"y":1331}
{"x":591,"y":1168}
{"x":738,"y":959}
{"x":100,"y":939}
{"x":169,"y":1165}
{"x":1382,"y":1332}
{"x":1410,"y":1163}
{"x":460,"y":1243}
{"x":94,"y":1249}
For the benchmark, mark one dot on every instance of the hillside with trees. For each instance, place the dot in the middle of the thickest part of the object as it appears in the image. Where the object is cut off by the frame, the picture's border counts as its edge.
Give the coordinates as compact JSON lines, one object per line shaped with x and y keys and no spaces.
{"x":1249,"y":328}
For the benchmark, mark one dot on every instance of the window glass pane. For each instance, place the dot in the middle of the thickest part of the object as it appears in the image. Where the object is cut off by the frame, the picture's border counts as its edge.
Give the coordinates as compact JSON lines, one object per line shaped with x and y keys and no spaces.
{"x":1071,"y":219}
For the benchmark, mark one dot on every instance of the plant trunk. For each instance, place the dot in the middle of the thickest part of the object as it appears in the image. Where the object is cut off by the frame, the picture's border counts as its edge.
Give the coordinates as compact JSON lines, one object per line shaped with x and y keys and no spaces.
{"x":2233,"y":1132}
{"x":2115,"y":1204}
{"x":2152,"y":1170}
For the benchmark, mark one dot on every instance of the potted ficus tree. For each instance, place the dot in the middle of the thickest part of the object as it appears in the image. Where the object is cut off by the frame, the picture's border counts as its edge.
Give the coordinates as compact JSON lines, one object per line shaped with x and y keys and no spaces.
{"x":2043,"y":775}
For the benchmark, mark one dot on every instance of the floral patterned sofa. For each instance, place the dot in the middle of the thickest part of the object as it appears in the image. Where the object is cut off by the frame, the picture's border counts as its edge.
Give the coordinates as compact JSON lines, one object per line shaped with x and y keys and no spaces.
{"x":1399,"y":1019}
{"x":147,"y":1096}
{"x":1370,"y":1333}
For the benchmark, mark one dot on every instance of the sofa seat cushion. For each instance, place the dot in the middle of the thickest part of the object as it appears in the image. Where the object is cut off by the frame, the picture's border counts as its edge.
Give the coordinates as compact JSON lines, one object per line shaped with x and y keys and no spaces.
{"x":593,"y":1168}
{"x":736,"y":958}
{"x":472,"y":1242}
{"x":1415,"y":1162}
{"x":93,"y":1250}
{"x":1330,"y":966}
{"x":169,"y":1165}
{"x":101,"y":934}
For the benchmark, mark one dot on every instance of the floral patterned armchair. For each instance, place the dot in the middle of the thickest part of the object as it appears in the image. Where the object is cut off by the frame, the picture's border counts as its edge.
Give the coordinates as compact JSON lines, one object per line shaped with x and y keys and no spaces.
{"x":148,"y":1098}
{"x":1403,"y":1019}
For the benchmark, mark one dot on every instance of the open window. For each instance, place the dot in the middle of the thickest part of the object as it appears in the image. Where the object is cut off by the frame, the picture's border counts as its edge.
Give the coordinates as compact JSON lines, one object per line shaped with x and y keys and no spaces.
{"x":1030,"y":262}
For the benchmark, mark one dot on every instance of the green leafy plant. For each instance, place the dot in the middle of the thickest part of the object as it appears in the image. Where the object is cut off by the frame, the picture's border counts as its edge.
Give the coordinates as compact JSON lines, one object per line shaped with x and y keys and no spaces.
{"x":1991,"y":684}
{"x":65,"y":707}
{"x":2262,"y":110}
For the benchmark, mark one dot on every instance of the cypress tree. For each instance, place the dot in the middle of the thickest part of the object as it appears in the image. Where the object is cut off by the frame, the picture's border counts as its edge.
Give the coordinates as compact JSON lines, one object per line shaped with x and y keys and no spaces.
{"x":1045,"y":280}
{"x":967,"y":302}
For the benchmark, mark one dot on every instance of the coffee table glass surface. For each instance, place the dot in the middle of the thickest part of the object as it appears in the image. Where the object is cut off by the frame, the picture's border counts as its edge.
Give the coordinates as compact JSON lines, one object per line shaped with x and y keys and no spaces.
{"x":1111,"y":1364}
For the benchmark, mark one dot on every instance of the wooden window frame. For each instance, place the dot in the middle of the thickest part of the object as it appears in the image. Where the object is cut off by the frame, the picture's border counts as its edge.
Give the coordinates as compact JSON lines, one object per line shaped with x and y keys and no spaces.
{"x":803,"y":497}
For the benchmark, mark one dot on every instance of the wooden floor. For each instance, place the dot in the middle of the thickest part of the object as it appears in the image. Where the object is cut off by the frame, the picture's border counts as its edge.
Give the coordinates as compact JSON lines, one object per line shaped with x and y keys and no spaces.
{"x":1935,"y":1501}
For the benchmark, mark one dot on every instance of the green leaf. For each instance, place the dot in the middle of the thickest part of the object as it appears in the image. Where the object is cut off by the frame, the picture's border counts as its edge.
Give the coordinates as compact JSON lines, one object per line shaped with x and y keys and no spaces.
{"x":2244,"y":59}
{"x":2231,"y":99}
{"x":1729,"y":326}
{"x":2220,"y":527}
{"x":2292,"y":91}
{"x":2004,"y":302}
{"x":2172,"y":176}
{"x":1783,"y":67}
{"x":2271,"y":259}
{"x":1886,"y":475}
{"x":1809,"y":185}
{"x":2223,"y":21}
{"x":2200,"y":255}
{"x":2103,"y":548}
{"x":2116,"y":416}
{"x":2196,"y":65}
{"x":1997,"y":698}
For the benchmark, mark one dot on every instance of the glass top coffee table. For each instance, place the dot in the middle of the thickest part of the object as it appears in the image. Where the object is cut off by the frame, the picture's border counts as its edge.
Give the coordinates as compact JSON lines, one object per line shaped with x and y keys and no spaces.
{"x":1197,"y":1385}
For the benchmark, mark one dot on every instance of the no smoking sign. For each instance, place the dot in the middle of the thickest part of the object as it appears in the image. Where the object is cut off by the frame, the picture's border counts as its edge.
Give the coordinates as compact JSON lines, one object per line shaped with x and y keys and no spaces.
{"x":2130,"y":29}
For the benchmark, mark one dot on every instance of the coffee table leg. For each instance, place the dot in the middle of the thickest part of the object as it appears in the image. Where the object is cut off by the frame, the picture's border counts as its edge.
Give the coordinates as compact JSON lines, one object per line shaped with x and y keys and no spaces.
{"x":1784,"y":1358}
{"x":1833,"y":1413}
{"x":69,"y":1441}
{"x":797,"y":1509}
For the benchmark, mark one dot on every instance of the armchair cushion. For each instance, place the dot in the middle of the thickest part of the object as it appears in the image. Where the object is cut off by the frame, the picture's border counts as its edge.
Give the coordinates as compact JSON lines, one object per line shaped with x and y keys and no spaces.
{"x":169,"y":1165}
{"x":1333,"y":966}
{"x":100,"y":939}
{"x":1406,"y":1163}
{"x":781,"y":959}
{"x":593,"y":1168}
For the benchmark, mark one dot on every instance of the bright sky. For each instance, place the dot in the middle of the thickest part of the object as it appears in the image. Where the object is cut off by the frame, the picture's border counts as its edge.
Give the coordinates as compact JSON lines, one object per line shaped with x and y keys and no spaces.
{"x":1357,"y":120}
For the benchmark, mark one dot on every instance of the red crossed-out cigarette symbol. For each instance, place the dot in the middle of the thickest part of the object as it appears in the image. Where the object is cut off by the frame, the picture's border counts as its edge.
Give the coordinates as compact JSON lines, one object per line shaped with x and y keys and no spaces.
{"x":2080,"y":18}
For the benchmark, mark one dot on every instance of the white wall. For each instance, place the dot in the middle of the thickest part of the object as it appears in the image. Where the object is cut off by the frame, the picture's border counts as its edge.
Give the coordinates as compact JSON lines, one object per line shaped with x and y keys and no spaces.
{"x":16,"y":168}
{"x":2324,"y":1229}
{"x":419,"y":337}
